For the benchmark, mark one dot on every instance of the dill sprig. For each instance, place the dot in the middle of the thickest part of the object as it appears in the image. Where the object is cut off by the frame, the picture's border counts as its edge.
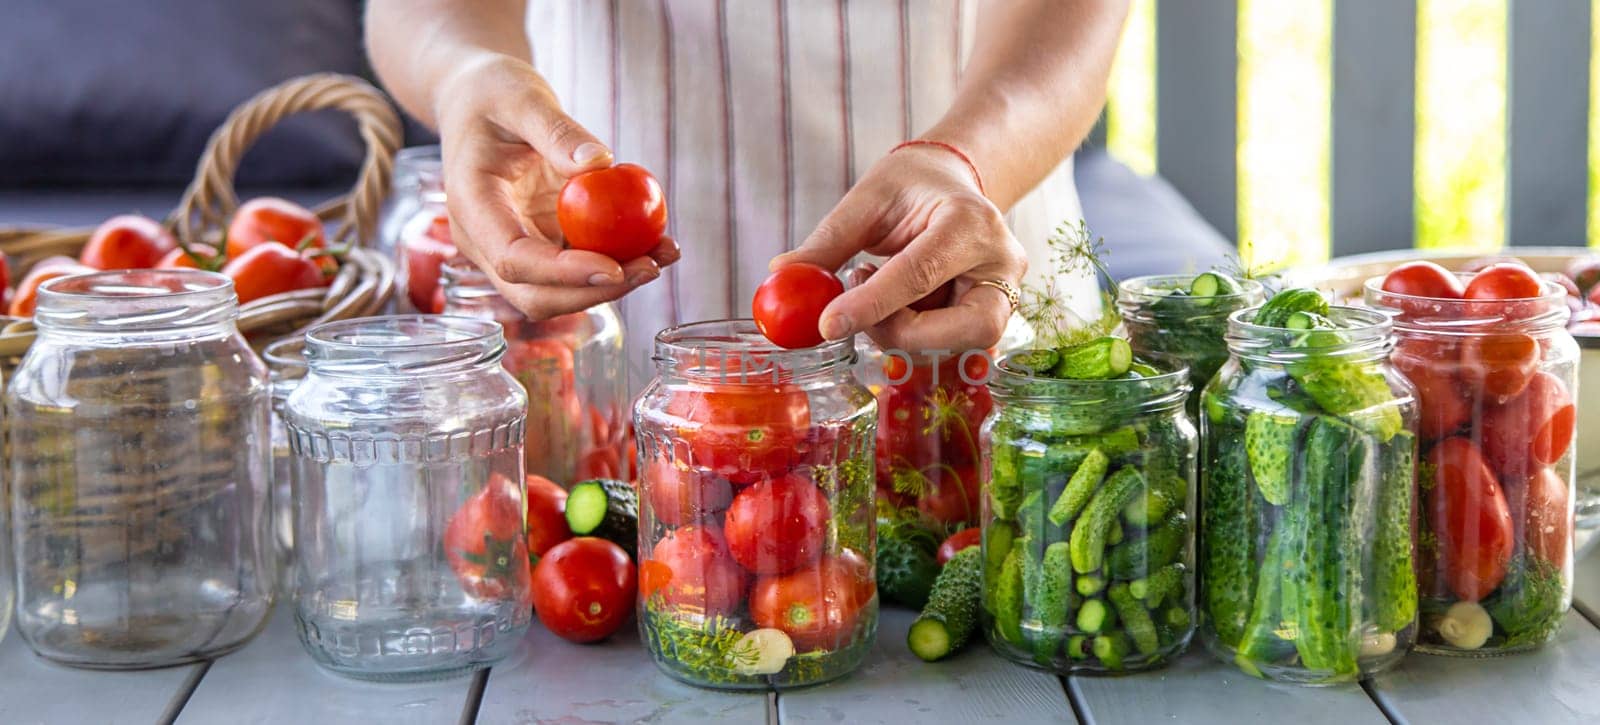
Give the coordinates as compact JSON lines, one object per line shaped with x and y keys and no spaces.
{"x":1073,"y":248}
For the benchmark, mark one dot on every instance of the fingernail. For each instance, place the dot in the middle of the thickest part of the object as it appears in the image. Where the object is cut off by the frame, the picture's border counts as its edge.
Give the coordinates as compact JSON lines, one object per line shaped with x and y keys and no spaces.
{"x":588,"y":152}
{"x":836,"y":327}
{"x":640,"y":278}
{"x":776,"y":262}
{"x":601,"y":278}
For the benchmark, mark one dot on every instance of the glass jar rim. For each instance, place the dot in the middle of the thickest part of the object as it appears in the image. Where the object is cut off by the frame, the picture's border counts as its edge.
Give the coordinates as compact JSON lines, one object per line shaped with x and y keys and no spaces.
{"x":702,"y":350}
{"x":403,"y":345}
{"x":1369,"y":334}
{"x":1168,"y":389}
{"x":1143,"y":288}
{"x":138,"y":300}
{"x":1548,"y":311}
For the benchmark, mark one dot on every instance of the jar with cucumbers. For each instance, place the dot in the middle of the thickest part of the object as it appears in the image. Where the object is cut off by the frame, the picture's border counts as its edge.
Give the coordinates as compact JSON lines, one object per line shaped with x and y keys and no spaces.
{"x":1086,"y":544}
{"x":1307,"y":495}
{"x":756,"y":545}
{"x":1186,"y":316}
{"x":1496,"y":373}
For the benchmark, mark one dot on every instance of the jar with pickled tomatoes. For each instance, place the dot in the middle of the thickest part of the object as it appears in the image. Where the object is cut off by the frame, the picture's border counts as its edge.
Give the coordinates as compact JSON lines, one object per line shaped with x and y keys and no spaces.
{"x":414,"y":229}
{"x":756,"y":551}
{"x":930,"y":411}
{"x":1496,"y":377}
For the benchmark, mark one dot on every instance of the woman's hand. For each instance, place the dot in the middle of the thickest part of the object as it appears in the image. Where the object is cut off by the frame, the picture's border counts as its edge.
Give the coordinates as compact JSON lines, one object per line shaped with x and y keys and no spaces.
{"x":508,"y":149}
{"x":921,"y":208}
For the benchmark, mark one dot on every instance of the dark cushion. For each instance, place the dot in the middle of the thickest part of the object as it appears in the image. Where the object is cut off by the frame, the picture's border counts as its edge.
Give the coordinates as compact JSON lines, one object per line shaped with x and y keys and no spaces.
{"x":128,"y":92}
{"x":28,"y":208}
{"x":1148,"y":226}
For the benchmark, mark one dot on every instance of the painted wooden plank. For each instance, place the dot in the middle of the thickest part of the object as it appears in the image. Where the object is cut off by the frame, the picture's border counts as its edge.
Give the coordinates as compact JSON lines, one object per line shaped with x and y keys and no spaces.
{"x":1547,"y":111}
{"x":550,"y":680}
{"x":34,"y":690}
{"x":1197,"y":123}
{"x":1374,"y":125}
{"x":1557,"y":684}
{"x":1199,"y":689}
{"x":896,"y":688}
{"x":273,"y":680}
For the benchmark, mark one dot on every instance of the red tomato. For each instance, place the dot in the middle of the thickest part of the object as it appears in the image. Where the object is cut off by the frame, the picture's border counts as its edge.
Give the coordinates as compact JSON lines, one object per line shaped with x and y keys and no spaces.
{"x":269,"y":269}
{"x":1504,"y":281}
{"x":618,"y":212}
{"x":600,"y":462}
{"x":1444,"y":405}
{"x":902,"y":440}
{"x":1547,"y":517}
{"x":818,"y":607}
{"x":970,"y":536}
{"x":1414,"y":354}
{"x":180,"y":259}
{"x":777,"y":525}
{"x":1423,"y":279}
{"x":680,"y":495}
{"x":583,"y":589}
{"x":952,"y":494}
{"x":1533,"y":429}
{"x":1471,"y":519}
{"x":690,"y":568}
{"x":129,"y":241}
{"x":547,"y":518}
{"x":27,"y":294}
{"x":1499,"y":365}
{"x":485,"y":545}
{"x":270,"y":219}
{"x":743,"y":433}
{"x":423,"y":257}
{"x":789,"y":303}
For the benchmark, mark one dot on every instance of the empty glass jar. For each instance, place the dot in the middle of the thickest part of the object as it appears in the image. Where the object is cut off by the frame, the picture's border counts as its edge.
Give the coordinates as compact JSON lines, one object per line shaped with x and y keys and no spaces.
{"x":418,"y":183}
{"x":411,"y":557}
{"x":414,"y":229}
{"x":572,"y":369}
{"x":286,"y":365}
{"x":139,"y":472}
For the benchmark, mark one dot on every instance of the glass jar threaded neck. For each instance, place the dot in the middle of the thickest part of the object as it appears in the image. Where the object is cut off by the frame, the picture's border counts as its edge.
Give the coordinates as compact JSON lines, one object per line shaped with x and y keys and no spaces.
{"x":735,"y":352}
{"x":139,"y":303}
{"x":403,"y":346}
{"x":1360,"y":335}
{"x":1013,"y":384}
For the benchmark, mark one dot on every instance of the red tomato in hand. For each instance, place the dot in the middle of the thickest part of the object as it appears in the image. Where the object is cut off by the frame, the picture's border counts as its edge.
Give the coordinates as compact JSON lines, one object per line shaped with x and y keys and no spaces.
{"x":680,"y":495}
{"x":1423,"y":279}
{"x":129,"y":241}
{"x":485,"y":545}
{"x":27,"y":295}
{"x":1534,"y":429}
{"x":1504,"y":281}
{"x":269,"y":269}
{"x":270,"y":219}
{"x":583,"y":589}
{"x":777,"y":525}
{"x":422,"y":259}
{"x":819,"y":606}
{"x":789,"y":303}
{"x":618,"y":212}
{"x":951,"y":496}
{"x":1470,"y":518}
{"x":180,"y":259}
{"x":743,"y":433}
{"x":1499,"y":365}
{"x":690,"y":568}
{"x":968,"y":537}
{"x":547,"y":517}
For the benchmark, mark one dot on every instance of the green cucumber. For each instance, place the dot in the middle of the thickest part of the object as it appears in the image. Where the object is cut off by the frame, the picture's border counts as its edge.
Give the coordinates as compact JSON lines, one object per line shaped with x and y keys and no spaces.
{"x":997,"y":543}
{"x":1328,"y":636}
{"x":947,"y":621}
{"x":1110,"y":649}
{"x":1355,"y":391}
{"x":1035,"y":362}
{"x":1099,"y":359}
{"x":1004,"y":484}
{"x":1303,"y":320}
{"x":1089,"y":533}
{"x":1078,"y":646}
{"x":1089,"y":584}
{"x":1115,"y":537}
{"x":1212,"y":284}
{"x":1080,"y":487}
{"x":1139,"y":371}
{"x":1092,"y":616}
{"x":1135,"y":619}
{"x":606,"y":508}
{"x":1275,"y":312}
{"x":906,"y":569}
{"x":1114,"y":443}
{"x":1161,"y":583}
{"x":1227,"y":544}
{"x":1008,"y":596}
{"x":1053,"y":601}
{"x":1395,"y":587}
{"x":1259,"y":636}
{"x":1138,"y":558}
{"x":1147,"y":508}
{"x":1269,"y":439}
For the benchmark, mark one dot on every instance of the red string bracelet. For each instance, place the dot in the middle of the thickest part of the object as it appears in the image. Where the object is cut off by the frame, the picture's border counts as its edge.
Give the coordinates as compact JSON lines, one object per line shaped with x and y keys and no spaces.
{"x":952,"y":149}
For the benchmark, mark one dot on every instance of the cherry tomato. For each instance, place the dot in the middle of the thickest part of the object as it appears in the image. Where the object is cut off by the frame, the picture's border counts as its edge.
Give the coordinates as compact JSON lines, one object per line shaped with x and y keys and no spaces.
{"x":27,"y":294}
{"x":690,"y":568}
{"x":583,"y":589}
{"x":679,"y":495}
{"x":1423,"y":279}
{"x":421,"y":261}
{"x":485,"y":545}
{"x":901,"y":439}
{"x":789,"y":303}
{"x":743,"y":433}
{"x":128,"y":241}
{"x":180,"y":259}
{"x":1533,"y":429}
{"x":1504,"y":281}
{"x":951,"y":496}
{"x":819,"y":606}
{"x":547,"y":519}
{"x":778,"y":525}
{"x":1499,"y":365}
{"x":1470,"y":518}
{"x":270,"y":268}
{"x":270,"y":219}
{"x":619,"y":212}
{"x":1444,"y":405}
{"x":970,"y":536}
{"x":1547,"y":518}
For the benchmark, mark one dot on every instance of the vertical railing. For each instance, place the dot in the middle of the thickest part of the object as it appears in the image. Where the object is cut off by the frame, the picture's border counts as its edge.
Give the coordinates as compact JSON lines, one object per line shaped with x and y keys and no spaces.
{"x":1374,"y":125}
{"x":1547,"y":116}
{"x":1197,"y":107}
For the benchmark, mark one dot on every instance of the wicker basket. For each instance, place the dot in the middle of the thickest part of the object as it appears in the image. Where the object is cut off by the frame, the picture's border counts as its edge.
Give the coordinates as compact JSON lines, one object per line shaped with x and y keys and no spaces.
{"x":365,"y":281}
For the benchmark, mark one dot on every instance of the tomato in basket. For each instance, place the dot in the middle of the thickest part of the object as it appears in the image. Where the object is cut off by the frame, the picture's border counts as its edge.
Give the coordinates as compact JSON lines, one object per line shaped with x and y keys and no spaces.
{"x":272,"y":268}
{"x":27,"y":295}
{"x":128,"y":241}
{"x":270,"y":219}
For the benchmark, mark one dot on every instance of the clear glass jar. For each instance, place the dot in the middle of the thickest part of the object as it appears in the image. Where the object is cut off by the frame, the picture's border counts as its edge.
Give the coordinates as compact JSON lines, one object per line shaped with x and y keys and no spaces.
{"x":286,"y":365}
{"x":139,"y":472}
{"x":1308,"y":502}
{"x":1088,"y":561}
{"x":930,"y":409}
{"x":1497,"y":383}
{"x":414,"y":229}
{"x":572,"y":369}
{"x":411,"y":557}
{"x":416,"y":182}
{"x":1162,"y":319}
{"x":756,"y":510}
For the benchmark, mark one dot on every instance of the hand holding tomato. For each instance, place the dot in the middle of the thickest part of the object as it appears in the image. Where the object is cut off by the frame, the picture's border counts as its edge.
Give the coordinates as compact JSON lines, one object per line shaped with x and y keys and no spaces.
{"x":617,"y":211}
{"x":583,"y":589}
{"x":789,"y":303}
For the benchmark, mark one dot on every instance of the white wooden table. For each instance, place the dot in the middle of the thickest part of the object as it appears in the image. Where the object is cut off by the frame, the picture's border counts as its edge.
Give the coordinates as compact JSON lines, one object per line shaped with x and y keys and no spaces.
{"x":550,"y":681}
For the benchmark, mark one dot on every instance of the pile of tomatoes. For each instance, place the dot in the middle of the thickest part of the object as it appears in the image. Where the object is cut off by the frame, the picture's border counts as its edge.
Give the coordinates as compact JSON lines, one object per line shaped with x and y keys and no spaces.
{"x":272,"y":246}
{"x":929,"y":415}
{"x":1497,"y":420}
